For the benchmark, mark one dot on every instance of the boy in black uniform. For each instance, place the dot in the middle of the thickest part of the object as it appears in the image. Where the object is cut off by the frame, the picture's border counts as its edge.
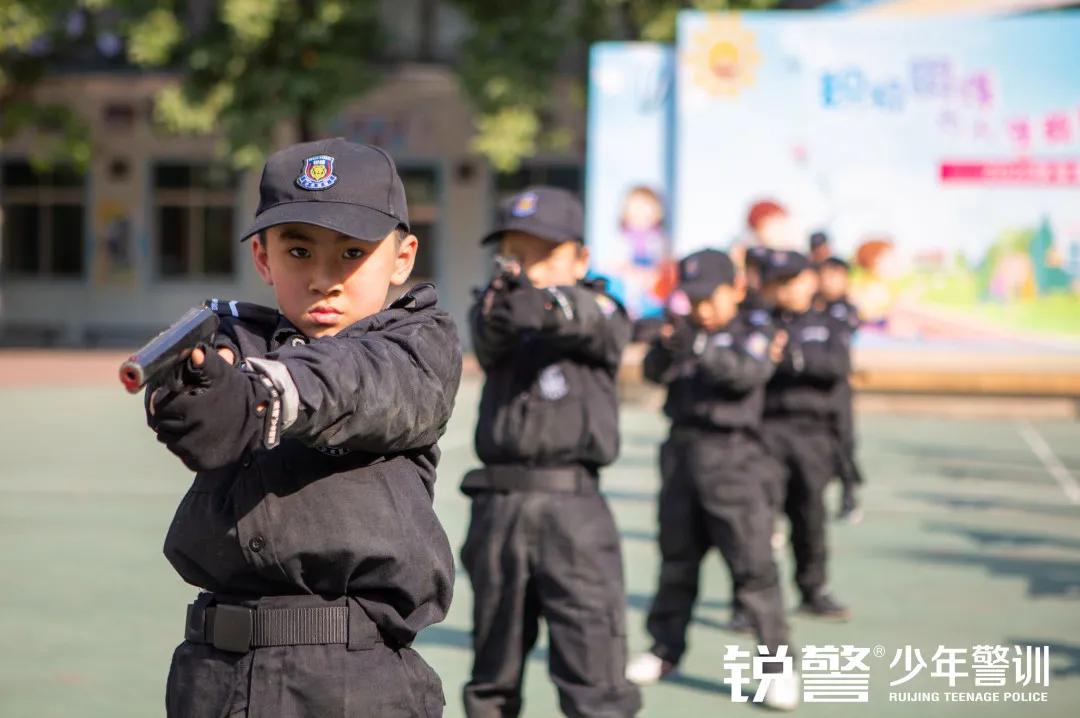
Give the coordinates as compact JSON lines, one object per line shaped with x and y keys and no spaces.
{"x":313,"y":431}
{"x":799,"y":417}
{"x":542,"y":541}
{"x":715,"y":472}
{"x":832,"y":299}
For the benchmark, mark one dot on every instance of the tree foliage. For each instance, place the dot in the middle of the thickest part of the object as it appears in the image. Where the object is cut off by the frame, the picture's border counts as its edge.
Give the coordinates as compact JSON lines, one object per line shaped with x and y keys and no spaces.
{"x":515,"y":50}
{"x":244,"y":68}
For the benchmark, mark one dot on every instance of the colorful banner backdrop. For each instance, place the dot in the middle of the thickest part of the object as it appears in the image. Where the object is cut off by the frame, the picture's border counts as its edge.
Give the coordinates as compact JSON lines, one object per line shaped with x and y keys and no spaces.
{"x":942,"y":157}
{"x":629,"y":133}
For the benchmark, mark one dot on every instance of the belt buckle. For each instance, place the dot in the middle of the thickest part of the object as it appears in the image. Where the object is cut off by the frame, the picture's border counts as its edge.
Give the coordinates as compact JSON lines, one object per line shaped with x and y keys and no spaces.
{"x":233,"y":628}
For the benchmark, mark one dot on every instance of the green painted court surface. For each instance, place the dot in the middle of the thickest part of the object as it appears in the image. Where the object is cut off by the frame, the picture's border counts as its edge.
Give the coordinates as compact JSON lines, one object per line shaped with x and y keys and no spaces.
{"x":969,"y":539}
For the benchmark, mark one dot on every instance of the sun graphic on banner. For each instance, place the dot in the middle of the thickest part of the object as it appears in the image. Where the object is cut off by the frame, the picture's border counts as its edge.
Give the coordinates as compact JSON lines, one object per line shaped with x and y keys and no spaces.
{"x":723,"y":57}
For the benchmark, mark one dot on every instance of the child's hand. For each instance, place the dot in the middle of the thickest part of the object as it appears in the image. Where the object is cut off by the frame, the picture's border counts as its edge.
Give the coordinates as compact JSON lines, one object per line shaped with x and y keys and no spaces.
{"x":524,"y":307}
{"x":776,"y":347}
{"x":215,"y":414}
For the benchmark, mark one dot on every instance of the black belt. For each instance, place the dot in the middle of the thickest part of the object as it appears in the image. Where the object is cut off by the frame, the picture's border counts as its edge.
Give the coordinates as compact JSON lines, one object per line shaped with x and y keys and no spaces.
{"x":575,"y":479}
{"x":240,"y":628}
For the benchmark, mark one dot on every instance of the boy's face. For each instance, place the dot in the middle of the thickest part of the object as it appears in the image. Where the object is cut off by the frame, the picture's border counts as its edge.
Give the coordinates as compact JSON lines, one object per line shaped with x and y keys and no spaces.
{"x":325,"y":280}
{"x":797,"y":294}
{"x":545,"y":263}
{"x":718,"y":309}
{"x":834,"y":282}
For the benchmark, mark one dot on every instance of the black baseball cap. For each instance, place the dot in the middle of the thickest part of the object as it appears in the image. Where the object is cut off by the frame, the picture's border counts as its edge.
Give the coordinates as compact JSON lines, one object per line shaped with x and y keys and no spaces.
{"x":782,"y":265}
{"x":836,"y":263}
{"x":546,"y":212}
{"x":344,"y":186}
{"x":702,"y":272}
{"x":757,"y":256}
{"x":817,"y":239}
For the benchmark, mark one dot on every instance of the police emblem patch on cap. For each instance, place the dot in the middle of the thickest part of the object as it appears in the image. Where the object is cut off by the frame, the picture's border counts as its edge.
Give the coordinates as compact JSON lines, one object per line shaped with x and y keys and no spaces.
{"x":318,"y":173}
{"x":525,"y":205}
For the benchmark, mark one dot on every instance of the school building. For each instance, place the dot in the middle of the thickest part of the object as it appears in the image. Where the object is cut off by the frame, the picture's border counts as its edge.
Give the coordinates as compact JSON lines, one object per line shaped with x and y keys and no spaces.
{"x":109,"y":256}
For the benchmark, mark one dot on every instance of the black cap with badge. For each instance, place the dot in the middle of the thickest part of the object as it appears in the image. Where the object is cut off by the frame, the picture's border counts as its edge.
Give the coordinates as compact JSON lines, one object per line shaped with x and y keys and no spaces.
{"x":546,"y":212}
{"x":782,"y":265}
{"x":344,"y":186}
{"x":702,"y":272}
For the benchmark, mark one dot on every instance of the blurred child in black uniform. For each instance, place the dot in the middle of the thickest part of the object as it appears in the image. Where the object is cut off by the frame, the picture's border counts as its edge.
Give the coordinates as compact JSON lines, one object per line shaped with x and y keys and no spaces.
{"x":832,"y":299}
{"x":800,"y":410}
{"x":542,"y":541}
{"x":714,"y":469}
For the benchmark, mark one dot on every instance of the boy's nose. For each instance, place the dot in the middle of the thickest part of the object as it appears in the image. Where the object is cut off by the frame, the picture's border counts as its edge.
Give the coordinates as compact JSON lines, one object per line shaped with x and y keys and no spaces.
{"x":325,"y":283}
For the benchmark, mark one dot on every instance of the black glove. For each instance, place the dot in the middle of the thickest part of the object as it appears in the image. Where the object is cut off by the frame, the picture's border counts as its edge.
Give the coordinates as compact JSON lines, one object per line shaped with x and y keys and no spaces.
{"x":523,"y":308}
{"x":210,"y":415}
{"x":681,"y":341}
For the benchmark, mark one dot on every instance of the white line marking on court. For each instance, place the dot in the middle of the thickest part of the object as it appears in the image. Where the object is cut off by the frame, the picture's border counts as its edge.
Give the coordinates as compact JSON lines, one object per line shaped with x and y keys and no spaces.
{"x":1055,"y":468}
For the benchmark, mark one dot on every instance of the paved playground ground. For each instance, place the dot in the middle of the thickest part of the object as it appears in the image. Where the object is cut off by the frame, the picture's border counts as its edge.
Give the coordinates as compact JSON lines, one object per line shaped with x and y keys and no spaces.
{"x":971,"y":536}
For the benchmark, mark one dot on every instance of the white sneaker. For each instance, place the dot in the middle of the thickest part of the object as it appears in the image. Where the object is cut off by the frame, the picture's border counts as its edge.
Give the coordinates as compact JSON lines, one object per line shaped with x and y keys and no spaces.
{"x":647,"y":668}
{"x":783,"y":692}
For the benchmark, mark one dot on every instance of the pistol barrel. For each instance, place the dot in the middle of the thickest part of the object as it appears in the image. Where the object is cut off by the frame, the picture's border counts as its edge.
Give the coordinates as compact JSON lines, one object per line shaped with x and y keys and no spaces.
{"x":168,"y":347}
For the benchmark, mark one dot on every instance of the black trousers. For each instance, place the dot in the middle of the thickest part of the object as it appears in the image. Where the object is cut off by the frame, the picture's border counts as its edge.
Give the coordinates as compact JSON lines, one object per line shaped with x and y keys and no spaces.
{"x":847,"y":466}
{"x":806,"y":447}
{"x":366,"y":678}
{"x":556,"y":556}
{"x":715,"y":492}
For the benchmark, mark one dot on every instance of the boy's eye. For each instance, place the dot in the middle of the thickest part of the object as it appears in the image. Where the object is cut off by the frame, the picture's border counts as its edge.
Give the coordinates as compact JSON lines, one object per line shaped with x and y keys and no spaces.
{"x":300,"y":252}
{"x":353,"y":253}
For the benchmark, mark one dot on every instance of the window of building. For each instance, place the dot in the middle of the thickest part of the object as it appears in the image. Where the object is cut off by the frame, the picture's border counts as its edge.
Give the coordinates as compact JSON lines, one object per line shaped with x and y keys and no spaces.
{"x":422,"y":191}
{"x":566,"y":175}
{"x":194,"y":219}
{"x":44,"y":220}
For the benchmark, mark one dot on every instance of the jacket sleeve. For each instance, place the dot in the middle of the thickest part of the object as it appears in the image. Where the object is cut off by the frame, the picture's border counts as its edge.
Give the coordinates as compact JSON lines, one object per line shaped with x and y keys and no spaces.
{"x":739,"y":368}
{"x":589,"y":324}
{"x":383,"y":391}
{"x":491,"y":341}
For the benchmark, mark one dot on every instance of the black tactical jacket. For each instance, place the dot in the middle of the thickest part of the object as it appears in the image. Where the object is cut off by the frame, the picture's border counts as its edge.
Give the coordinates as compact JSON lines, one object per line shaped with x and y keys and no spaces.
{"x":816,"y":358}
{"x":715,"y":380}
{"x":549,"y":397}
{"x":343,"y":505}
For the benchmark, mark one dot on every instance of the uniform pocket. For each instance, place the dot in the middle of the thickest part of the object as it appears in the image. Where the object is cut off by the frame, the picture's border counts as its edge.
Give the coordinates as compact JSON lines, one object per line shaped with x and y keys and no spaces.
{"x":424,"y":683}
{"x":206,"y":682}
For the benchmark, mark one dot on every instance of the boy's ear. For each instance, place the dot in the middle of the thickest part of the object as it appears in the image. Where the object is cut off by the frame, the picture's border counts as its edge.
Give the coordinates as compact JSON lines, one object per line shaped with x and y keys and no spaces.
{"x":404,"y":259}
{"x":581,"y":264}
{"x":258,"y":256}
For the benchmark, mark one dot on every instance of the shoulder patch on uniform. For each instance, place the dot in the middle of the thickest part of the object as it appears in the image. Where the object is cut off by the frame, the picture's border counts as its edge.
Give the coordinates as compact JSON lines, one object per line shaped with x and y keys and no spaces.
{"x":607,"y":304}
{"x":757,"y":345}
{"x":815,"y":333}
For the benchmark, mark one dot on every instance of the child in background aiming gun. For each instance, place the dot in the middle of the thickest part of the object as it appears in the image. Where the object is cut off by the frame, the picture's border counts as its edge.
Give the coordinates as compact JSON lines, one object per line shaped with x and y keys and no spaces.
{"x":542,"y":541}
{"x":800,"y":409}
{"x":716,"y":475}
{"x":832,"y":299}
{"x":313,"y":430}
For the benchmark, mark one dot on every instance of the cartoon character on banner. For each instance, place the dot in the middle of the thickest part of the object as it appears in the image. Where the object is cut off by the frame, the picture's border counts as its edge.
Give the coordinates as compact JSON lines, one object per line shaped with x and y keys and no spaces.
{"x":646,"y":271}
{"x":875,"y":287}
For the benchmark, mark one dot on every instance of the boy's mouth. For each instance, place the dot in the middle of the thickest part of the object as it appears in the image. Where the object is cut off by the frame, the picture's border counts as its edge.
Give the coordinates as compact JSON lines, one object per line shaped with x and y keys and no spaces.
{"x":324,"y":315}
